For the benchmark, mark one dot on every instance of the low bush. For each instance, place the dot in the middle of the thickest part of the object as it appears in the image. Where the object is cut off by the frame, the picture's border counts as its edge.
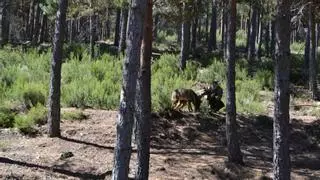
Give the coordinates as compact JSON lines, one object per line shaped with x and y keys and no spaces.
{"x":6,"y":118}
{"x":26,"y":122}
{"x":74,"y":115}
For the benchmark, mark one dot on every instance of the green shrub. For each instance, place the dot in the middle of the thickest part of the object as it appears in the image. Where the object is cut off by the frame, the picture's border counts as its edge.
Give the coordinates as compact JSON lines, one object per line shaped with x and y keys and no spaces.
{"x":248,"y":97}
{"x":266,"y":78}
{"x":38,"y":114}
{"x":26,"y":122}
{"x":6,"y":118}
{"x":241,"y":38}
{"x":216,"y":71}
{"x":31,"y":97}
{"x":297,"y":47}
{"x":92,"y":83}
{"x":74,"y":115}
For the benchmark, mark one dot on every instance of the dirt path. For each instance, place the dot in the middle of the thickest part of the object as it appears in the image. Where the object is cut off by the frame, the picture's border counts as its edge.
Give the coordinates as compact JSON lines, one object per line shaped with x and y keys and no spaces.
{"x":186,"y":147}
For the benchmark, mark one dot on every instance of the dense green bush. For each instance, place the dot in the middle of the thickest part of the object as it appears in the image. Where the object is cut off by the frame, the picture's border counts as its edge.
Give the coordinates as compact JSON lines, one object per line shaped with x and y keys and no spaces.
{"x":24,"y":78}
{"x":26,"y":122}
{"x":248,"y":97}
{"x":265,"y":78}
{"x":6,"y":118}
{"x":297,"y":47}
{"x":92,"y":83}
{"x":215,"y":71}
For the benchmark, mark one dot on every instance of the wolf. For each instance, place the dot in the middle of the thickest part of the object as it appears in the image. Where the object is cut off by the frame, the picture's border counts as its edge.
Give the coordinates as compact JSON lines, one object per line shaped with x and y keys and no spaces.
{"x":181,"y":97}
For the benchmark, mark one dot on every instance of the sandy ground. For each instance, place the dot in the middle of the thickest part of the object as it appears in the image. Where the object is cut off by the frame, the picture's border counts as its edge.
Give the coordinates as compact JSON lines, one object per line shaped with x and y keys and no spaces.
{"x":184,"y":146}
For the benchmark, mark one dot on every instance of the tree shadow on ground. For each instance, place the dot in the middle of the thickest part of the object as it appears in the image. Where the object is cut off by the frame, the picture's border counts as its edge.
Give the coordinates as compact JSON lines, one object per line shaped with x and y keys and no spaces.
{"x":82,"y":175}
{"x":86,"y":143}
{"x":182,"y":130}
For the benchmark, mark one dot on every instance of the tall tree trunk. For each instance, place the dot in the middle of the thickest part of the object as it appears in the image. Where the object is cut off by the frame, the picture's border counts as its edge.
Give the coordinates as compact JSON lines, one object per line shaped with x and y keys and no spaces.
{"x":223,"y":22}
{"x":155,"y":26}
{"x":107,"y":23}
{"x":4,"y":23}
{"x":225,"y":33}
{"x":92,"y":34}
{"x":248,"y":31}
{"x":312,"y":54}
{"x":71,"y":30}
{"x":31,"y":20}
{"x":185,"y":41}
{"x":273,"y":38}
{"x":306,"y":56}
{"x":281,"y":157}
{"x":207,"y":24}
{"x":36,"y":24}
{"x":123,"y":34}
{"x":143,"y":114}
{"x":117,"y":28}
{"x":55,"y":75}
{"x":43,"y":29}
{"x":128,"y":90}
{"x":252,"y":40}
{"x":200,"y":30}
{"x":234,"y":153}
{"x":258,"y":26}
{"x":259,"y":50}
{"x":93,"y":31}
{"x":213,"y":28}
{"x":267,"y":39}
{"x":179,"y":34}
{"x":194,"y":35}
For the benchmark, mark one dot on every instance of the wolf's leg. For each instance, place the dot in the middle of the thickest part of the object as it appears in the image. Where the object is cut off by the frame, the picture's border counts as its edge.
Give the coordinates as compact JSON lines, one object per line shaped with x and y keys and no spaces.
{"x":177,"y":104}
{"x":174,"y":104}
{"x":182,"y":104}
{"x":190,"y":106}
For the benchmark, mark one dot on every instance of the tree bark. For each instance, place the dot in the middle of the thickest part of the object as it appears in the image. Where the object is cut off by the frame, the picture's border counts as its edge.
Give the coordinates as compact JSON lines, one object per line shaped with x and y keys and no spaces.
{"x":306,"y":56}
{"x":281,"y":157}
{"x":155,"y":26}
{"x":248,"y":32}
{"x":194,"y":34}
{"x":259,"y":50}
{"x":273,"y":38}
{"x":207,"y":24}
{"x":93,"y":31}
{"x":213,"y":28}
{"x":72,"y":30}
{"x":223,"y":22}
{"x":43,"y":29}
{"x":55,"y":75}
{"x":179,"y":34}
{"x":185,"y":41}
{"x":30,"y":20}
{"x":267,"y":40}
{"x":312,"y":54}
{"x":234,"y":153}
{"x":143,"y":114}
{"x":4,"y":23}
{"x":36,"y":24}
{"x":128,"y":90}
{"x":252,"y":40}
{"x":117,"y":28}
{"x":107,"y":23}
{"x":123,"y":34}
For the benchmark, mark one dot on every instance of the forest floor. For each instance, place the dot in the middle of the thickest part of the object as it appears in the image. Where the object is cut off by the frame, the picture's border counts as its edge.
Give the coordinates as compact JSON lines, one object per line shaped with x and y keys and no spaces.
{"x":184,"y":146}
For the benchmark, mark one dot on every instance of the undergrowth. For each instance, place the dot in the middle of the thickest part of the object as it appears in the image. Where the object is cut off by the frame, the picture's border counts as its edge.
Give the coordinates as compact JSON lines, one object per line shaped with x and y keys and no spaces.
{"x":24,"y":80}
